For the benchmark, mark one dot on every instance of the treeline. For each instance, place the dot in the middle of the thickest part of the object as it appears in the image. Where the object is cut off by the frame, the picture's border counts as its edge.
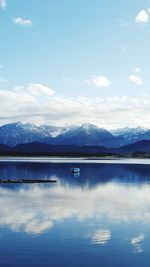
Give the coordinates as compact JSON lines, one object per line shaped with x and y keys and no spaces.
{"x":56,"y":154}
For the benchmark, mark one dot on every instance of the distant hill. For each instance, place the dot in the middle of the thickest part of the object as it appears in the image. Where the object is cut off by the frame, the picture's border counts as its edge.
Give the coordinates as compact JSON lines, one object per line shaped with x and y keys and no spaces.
{"x":140,"y":146}
{"x":4,"y":148}
{"x":41,"y":148}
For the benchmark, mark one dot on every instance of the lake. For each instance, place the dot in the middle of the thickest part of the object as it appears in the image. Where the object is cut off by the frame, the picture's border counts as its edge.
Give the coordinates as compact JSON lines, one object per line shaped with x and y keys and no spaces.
{"x":98,"y":218}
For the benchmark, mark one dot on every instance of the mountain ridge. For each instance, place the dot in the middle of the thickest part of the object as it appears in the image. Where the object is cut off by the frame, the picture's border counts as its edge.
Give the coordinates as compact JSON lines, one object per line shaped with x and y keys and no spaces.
{"x":13,"y":134}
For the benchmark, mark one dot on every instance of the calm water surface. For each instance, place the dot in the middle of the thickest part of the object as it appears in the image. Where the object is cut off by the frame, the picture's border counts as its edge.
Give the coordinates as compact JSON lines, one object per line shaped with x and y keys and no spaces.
{"x":101,"y":218}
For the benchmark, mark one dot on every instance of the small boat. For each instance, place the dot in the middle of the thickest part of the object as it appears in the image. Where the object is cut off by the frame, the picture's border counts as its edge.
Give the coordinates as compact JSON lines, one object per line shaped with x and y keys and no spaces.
{"x":75,"y":170}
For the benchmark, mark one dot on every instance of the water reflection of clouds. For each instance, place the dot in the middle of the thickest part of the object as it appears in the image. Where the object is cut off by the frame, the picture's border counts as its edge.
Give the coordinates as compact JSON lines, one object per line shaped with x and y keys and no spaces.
{"x":37,"y":209}
{"x":101,"y":237}
{"x":136,"y":242}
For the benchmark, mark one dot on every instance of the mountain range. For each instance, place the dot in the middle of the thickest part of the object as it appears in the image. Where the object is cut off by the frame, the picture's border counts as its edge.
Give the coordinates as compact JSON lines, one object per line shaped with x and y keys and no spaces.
{"x":86,"y":135}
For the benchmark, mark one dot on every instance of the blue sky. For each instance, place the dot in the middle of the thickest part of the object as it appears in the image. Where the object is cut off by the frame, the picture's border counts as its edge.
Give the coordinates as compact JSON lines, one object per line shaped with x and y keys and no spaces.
{"x":75,"y":61}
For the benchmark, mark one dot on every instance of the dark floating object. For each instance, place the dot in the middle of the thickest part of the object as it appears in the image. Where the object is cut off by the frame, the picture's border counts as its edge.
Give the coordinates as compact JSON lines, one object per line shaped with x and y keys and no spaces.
{"x":25,"y":181}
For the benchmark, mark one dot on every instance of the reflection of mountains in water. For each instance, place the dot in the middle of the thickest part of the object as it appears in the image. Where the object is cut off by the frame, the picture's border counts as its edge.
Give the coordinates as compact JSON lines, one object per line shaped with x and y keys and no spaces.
{"x":90,"y":175}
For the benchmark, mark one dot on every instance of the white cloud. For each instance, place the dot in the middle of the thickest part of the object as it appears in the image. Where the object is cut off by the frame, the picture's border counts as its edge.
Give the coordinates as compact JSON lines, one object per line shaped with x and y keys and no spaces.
{"x":22,"y":21}
{"x":142,"y":17}
{"x":136,"y":69}
{"x":35,"y":90}
{"x":3,"y":4}
{"x":135,"y":79}
{"x":99,"y":81}
{"x":40,"y":104}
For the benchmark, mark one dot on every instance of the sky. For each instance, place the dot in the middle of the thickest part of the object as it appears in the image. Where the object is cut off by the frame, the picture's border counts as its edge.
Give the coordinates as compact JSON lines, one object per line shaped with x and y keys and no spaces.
{"x":68,"y":62}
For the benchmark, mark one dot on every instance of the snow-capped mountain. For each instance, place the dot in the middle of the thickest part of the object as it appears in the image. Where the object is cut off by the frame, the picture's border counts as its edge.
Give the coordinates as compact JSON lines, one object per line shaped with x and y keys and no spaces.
{"x":17,"y":133}
{"x":129,"y":135}
{"x":54,"y":131}
{"x":144,"y":136}
{"x":85,"y":135}
{"x":127,"y":131}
